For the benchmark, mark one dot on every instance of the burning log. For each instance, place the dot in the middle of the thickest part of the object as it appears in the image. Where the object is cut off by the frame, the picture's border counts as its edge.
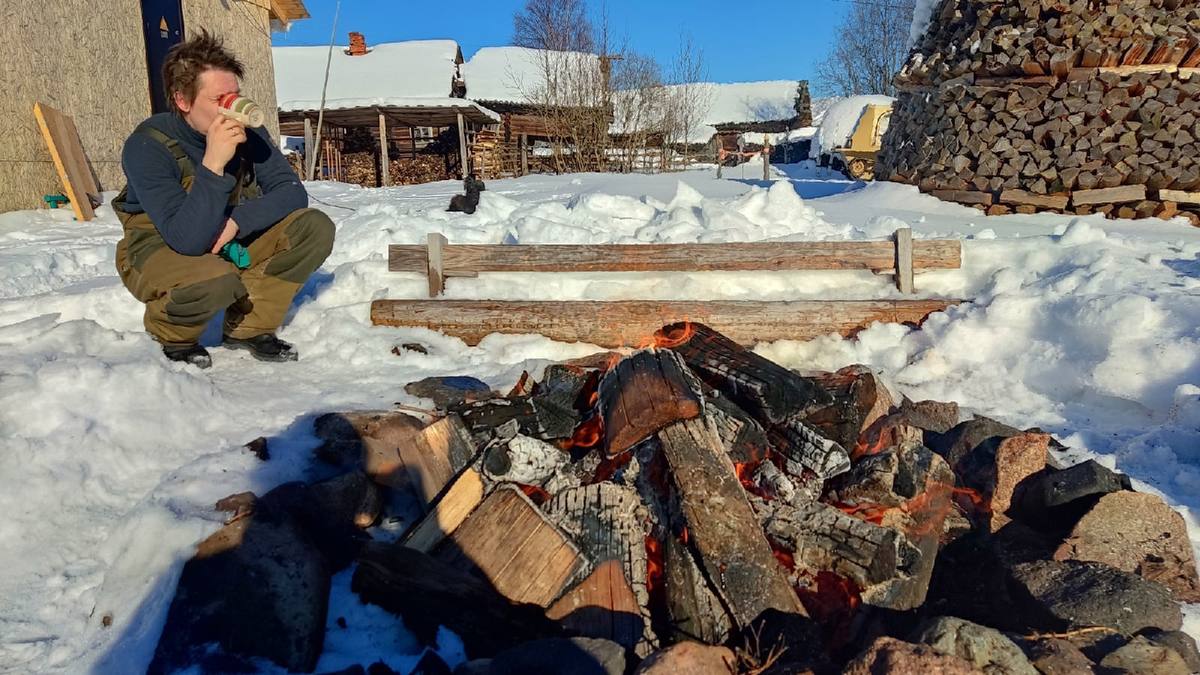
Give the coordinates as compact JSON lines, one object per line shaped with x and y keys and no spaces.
{"x":643,"y":393}
{"x":722,"y":528}
{"x":766,"y":390}
{"x":607,"y":521}
{"x":908,"y":489}
{"x":604,"y":606}
{"x":827,"y":539}
{"x":429,"y":594}
{"x":859,"y":398}
{"x":805,"y":448}
{"x":694,"y":610}
{"x":528,"y":461}
{"x":743,"y":437}
{"x":511,"y":543}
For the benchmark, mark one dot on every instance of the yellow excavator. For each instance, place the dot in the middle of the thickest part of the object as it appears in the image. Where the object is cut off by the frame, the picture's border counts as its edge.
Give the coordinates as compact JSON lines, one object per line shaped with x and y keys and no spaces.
{"x":858,"y":158}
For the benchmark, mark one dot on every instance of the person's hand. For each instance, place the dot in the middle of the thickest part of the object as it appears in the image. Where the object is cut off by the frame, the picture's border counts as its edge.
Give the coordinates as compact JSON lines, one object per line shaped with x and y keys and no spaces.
{"x":223,"y":137}
{"x":227,"y":235}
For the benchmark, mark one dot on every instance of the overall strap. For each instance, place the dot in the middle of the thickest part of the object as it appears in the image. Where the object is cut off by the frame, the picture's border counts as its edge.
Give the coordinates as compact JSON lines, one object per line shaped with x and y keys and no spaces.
{"x":185,"y":164}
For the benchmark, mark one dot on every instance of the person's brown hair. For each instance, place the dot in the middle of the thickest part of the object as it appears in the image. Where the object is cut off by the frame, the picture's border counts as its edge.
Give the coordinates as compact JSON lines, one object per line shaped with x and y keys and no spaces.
{"x":186,"y":60}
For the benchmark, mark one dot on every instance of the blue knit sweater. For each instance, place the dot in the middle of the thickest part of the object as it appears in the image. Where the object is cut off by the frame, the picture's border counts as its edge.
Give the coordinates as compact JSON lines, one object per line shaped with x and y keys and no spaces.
{"x":190,"y":222}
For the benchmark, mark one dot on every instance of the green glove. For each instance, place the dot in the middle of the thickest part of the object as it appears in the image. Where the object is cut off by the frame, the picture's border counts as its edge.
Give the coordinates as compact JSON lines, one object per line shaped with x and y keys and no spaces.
{"x":236,"y":254}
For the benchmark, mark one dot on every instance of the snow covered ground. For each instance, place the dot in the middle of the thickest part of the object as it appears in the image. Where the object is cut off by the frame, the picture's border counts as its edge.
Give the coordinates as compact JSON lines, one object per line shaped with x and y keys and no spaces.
{"x":111,"y":457}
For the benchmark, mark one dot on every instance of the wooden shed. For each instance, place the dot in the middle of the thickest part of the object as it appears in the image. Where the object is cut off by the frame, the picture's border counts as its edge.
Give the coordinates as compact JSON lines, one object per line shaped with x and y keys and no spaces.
{"x":99,"y":64}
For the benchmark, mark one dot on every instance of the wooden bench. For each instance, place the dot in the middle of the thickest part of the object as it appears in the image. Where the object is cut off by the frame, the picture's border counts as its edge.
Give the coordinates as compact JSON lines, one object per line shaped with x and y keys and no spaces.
{"x":626,"y":323}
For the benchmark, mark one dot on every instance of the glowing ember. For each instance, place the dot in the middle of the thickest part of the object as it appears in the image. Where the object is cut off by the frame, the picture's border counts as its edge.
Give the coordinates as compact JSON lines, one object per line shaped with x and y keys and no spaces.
{"x":867,"y":447}
{"x":673,"y":335}
{"x":654,"y":564}
{"x":535,"y":493}
{"x":833,"y":601}
{"x":745,"y":474}
{"x":586,"y":435}
{"x":922,"y":512}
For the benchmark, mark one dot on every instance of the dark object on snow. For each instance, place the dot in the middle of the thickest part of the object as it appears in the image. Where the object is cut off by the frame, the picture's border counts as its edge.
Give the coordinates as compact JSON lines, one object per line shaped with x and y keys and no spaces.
{"x":258,"y":588}
{"x":466,"y":203}
{"x":450,"y":391}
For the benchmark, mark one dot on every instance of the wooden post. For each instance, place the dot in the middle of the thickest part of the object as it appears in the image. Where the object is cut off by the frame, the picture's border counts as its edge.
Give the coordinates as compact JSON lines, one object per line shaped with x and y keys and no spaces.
{"x":524,"y":155}
{"x":720,"y":160}
{"x":904,"y":260}
{"x":462,"y":145}
{"x":383,"y":152}
{"x":437,"y":278}
{"x":309,"y":148}
{"x":766,"y":157}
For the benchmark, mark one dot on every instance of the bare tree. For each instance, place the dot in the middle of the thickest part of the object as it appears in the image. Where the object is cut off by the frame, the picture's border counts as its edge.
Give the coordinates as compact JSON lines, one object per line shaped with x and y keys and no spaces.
{"x":639,"y":106}
{"x":556,"y":25}
{"x":869,"y":48}
{"x":689,"y":98}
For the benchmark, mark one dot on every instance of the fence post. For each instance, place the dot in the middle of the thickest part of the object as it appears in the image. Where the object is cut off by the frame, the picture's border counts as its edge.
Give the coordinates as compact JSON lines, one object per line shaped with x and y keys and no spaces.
{"x":766,"y":157}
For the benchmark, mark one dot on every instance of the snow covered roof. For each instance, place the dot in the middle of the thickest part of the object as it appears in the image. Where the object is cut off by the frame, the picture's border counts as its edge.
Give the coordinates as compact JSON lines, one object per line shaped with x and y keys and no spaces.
{"x":738,"y":103}
{"x":419,"y":69}
{"x":517,"y":74}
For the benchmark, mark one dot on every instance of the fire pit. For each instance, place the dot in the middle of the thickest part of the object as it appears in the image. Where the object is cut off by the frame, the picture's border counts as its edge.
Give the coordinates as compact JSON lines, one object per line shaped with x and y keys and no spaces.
{"x":695,"y":491}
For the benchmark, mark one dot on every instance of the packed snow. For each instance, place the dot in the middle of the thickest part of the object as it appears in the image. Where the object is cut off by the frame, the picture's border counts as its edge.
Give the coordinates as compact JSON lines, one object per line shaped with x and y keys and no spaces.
{"x":111,"y":457}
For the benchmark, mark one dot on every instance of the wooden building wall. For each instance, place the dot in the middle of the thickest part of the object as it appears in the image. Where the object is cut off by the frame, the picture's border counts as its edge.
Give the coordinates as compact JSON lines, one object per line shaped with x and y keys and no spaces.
{"x":89,"y":61}
{"x":91,"y":70}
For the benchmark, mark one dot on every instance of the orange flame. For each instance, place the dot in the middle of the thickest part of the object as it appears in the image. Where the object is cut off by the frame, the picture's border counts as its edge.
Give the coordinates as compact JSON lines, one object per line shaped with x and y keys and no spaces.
{"x":609,"y":466}
{"x":866,"y":447}
{"x":832,"y":601}
{"x":535,"y":493}
{"x":586,"y":435}
{"x":674,"y":335}
{"x":924,"y":512}
{"x":654,"y":564}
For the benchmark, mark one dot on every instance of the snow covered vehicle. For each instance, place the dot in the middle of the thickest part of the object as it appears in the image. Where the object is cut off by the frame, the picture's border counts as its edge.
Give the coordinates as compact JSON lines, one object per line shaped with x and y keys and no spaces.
{"x":851,"y":133}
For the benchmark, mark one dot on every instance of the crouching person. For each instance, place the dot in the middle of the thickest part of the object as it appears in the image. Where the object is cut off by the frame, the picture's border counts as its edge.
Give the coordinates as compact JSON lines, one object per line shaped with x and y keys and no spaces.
{"x":214,"y":217}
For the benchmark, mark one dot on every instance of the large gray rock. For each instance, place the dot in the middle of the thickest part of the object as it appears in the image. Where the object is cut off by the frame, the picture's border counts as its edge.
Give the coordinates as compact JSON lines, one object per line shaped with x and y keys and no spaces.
{"x":1143,"y":657}
{"x":889,"y":656}
{"x":1138,"y":533}
{"x":1056,"y":499}
{"x":1054,"y":656}
{"x":1182,"y":643}
{"x":257,"y":588}
{"x":561,"y":656}
{"x":689,"y":658}
{"x":984,"y":647}
{"x":1068,"y":595}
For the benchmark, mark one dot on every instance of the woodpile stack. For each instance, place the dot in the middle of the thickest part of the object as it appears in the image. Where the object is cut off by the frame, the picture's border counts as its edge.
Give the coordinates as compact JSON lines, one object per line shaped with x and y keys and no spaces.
{"x":493,"y":158}
{"x":1077,"y":106}
{"x":361,"y":168}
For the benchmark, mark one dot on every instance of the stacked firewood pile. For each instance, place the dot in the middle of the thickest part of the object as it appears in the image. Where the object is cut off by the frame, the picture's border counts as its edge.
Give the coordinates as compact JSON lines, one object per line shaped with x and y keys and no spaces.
{"x":695,"y":492}
{"x":1077,"y":106}
{"x":362,"y":168}
{"x":493,"y":158}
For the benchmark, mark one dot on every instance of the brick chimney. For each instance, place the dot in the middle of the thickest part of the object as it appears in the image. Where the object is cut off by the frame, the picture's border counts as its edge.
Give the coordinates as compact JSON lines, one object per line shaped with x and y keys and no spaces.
{"x":358,"y":44}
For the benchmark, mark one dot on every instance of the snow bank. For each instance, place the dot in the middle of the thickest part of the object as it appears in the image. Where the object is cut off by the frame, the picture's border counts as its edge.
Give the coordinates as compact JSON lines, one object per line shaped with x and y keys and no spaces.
{"x":840,"y":120}
{"x":111,"y":457}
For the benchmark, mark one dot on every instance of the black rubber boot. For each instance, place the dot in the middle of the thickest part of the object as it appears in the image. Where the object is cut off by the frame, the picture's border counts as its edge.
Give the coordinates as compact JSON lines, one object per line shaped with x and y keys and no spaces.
{"x":191,"y":354}
{"x":265,"y":347}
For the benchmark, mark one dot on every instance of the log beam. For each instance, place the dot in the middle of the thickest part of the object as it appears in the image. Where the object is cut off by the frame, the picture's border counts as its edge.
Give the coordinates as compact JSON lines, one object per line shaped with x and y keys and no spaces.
{"x":629,"y":323}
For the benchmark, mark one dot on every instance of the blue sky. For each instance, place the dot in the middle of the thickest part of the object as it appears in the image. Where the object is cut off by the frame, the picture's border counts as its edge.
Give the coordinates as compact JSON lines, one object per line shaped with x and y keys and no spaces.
{"x":742,"y":41}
